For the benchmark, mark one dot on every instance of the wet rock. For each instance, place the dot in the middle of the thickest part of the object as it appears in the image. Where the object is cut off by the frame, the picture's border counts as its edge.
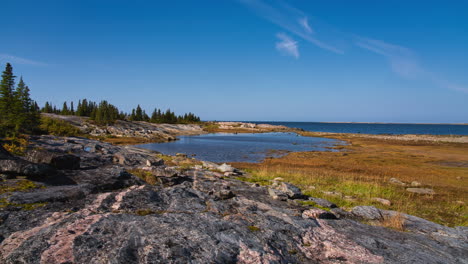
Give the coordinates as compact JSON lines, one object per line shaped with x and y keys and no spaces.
{"x":396,"y":182}
{"x":421,"y":190}
{"x":323,"y":202}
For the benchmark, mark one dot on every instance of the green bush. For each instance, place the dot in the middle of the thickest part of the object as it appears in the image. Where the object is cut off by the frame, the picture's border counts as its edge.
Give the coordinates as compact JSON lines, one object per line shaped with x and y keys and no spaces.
{"x":58,"y":127}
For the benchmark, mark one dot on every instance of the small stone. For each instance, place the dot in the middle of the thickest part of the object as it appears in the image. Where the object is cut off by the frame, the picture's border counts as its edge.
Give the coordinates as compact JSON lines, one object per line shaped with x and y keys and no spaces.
{"x":210,"y":165}
{"x":198,"y":167}
{"x":225,"y":194}
{"x":397,"y":182}
{"x":255,"y":185}
{"x":322,"y":202}
{"x":317,"y":213}
{"x":367,"y":212}
{"x":382,"y":201}
{"x":420,"y":190}
{"x":227,"y":174}
{"x":226,"y":168}
{"x":290,"y":190}
{"x":415,"y":184}
{"x":333,"y":193}
{"x":278,"y":179}
{"x":181,"y":155}
{"x":277,"y":195}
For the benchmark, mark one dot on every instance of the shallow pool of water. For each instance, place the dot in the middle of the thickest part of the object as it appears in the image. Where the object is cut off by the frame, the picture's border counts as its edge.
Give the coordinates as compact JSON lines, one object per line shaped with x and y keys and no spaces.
{"x":227,"y":147}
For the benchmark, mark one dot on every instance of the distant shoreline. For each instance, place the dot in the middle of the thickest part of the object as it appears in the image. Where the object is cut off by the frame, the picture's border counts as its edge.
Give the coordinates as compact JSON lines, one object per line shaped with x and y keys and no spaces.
{"x":373,"y":123}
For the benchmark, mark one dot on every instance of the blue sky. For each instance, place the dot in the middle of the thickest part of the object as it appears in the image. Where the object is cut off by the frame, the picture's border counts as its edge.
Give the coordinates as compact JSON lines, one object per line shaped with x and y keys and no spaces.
{"x":296,"y":60}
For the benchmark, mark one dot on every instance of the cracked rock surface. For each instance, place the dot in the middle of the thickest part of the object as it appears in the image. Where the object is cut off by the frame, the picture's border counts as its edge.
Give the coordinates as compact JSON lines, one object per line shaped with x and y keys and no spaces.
{"x":100,"y":213}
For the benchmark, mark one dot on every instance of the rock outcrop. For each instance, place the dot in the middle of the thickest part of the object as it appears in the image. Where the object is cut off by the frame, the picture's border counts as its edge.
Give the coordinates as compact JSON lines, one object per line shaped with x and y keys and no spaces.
{"x":100,"y":213}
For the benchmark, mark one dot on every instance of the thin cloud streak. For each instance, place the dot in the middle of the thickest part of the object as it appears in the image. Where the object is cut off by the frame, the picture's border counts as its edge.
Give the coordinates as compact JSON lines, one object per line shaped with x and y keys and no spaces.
{"x":402,"y":61}
{"x":19,"y":60}
{"x":288,"y":18}
{"x":304,"y":22}
{"x":287,"y":45}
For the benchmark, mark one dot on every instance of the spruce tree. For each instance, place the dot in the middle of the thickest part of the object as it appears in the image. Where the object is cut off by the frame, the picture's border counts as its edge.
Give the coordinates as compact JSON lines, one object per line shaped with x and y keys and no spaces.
{"x":7,"y":98}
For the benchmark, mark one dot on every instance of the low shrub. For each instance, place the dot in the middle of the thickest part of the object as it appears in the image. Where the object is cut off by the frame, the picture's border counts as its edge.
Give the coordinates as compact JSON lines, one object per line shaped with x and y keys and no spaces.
{"x":58,"y":127}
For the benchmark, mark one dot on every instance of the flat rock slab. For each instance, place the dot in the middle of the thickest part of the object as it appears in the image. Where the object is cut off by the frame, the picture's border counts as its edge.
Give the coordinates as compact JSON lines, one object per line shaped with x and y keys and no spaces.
{"x":421,"y":190}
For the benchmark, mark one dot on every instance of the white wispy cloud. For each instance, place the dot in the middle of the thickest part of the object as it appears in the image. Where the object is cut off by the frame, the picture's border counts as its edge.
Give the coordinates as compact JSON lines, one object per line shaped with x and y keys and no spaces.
{"x":405,"y":63}
{"x":402,"y":61}
{"x":304,"y":22}
{"x":290,"y":19}
{"x":18,"y":60}
{"x":287,"y":45}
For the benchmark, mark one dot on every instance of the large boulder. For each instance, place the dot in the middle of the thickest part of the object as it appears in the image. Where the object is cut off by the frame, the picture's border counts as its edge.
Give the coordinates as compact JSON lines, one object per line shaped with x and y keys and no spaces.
{"x":57,"y":160}
{"x":105,"y":178}
{"x":20,"y":167}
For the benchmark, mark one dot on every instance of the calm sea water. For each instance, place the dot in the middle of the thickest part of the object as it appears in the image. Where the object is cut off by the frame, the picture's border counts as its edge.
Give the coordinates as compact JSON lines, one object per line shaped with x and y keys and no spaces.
{"x":365,"y":128}
{"x":224,"y":147}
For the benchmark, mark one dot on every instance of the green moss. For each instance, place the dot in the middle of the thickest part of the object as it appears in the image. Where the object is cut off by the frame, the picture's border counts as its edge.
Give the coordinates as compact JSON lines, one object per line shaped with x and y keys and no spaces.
{"x":253,"y":228}
{"x":19,"y":186}
{"x":31,"y":206}
{"x":313,"y":204}
{"x":143,"y":212}
{"x":260,"y":181}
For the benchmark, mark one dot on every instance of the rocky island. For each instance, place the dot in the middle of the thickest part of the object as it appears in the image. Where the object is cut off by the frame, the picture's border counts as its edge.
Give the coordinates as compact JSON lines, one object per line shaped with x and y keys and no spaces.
{"x":78,"y":200}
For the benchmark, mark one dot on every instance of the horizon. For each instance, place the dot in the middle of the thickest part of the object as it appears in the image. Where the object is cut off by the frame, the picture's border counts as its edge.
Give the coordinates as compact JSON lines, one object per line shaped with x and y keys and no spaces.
{"x":337,"y":62}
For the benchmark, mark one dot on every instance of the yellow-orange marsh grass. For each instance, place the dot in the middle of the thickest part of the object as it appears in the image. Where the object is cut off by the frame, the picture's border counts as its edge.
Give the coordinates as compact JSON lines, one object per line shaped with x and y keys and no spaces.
{"x":361,"y":171}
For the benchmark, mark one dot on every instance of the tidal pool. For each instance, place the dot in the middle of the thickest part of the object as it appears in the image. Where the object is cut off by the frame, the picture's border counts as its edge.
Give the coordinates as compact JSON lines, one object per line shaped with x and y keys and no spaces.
{"x":228,"y":147}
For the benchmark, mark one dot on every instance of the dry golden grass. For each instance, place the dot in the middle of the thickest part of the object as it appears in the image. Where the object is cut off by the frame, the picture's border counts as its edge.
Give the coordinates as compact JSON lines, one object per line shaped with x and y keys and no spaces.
{"x":396,"y":221}
{"x":362,"y":170}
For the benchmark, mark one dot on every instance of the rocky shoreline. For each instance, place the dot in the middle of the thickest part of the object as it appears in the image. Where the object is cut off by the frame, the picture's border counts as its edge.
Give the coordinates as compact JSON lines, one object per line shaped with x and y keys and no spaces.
{"x":77,"y":200}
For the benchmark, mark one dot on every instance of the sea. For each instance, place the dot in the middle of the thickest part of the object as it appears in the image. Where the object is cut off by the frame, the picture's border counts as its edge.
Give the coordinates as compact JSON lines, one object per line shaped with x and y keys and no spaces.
{"x":377,"y":128}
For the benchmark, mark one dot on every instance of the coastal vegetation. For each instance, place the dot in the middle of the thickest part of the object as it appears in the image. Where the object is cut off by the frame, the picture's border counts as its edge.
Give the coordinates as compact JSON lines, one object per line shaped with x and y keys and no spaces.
{"x":20,"y":114}
{"x":104,"y":113}
{"x":362,"y":171}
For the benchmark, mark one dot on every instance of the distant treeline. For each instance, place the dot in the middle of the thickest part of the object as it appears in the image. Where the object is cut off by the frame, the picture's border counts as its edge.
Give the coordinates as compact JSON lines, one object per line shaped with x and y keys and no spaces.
{"x":106,"y":113}
{"x":20,"y":114}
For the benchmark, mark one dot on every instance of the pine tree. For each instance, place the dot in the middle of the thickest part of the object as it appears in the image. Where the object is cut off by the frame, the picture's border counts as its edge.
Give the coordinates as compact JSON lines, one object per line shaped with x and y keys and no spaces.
{"x":138,"y":114}
{"x":7,"y":98}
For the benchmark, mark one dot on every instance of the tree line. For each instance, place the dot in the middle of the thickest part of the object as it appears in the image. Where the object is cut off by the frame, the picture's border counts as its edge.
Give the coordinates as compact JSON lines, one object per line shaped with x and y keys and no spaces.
{"x":20,"y":114}
{"x":105,"y":113}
